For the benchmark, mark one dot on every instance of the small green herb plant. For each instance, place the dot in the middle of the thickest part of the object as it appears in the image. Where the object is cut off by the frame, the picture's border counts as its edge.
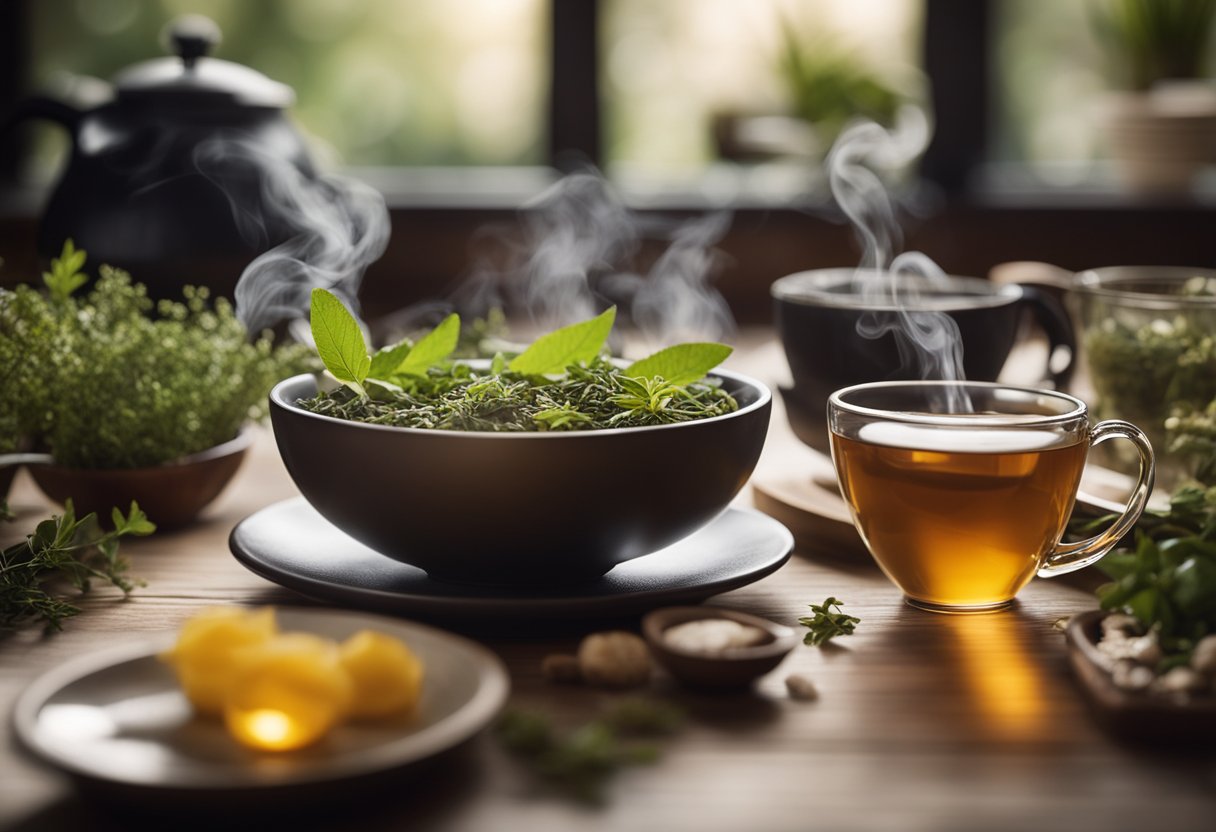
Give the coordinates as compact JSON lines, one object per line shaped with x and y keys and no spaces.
{"x":1168,"y":580}
{"x":829,"y":86}
{"x":108,"y":379}
{"x":63,"y":550}
{"x":1154,"y":40}
{"x":825,"y":624}
{"x":561,"y":382}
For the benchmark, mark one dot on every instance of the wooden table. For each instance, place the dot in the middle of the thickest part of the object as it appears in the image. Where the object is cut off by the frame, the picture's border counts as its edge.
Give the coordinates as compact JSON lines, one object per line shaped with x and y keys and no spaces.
{"x":925,"y":722}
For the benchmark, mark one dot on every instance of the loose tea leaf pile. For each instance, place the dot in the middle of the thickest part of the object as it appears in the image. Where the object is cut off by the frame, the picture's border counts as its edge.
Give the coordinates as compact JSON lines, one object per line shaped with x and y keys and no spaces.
{"x":561,"y":382}
{"x":582,"y":762}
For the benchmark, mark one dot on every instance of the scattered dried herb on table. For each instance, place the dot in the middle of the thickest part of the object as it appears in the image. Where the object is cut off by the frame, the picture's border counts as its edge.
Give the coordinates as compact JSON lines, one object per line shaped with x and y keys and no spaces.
{"x":64,"y":550}
{"x":825,"y":624}
{"x":581,"y":762}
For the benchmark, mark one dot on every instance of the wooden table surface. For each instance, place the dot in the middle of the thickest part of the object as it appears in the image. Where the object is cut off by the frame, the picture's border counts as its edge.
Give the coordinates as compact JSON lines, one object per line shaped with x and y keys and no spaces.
{"x":924,"y":722}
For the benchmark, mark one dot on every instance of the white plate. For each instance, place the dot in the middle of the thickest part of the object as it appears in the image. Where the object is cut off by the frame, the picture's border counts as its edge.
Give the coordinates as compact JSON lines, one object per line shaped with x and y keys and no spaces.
{"x":119,"y":718}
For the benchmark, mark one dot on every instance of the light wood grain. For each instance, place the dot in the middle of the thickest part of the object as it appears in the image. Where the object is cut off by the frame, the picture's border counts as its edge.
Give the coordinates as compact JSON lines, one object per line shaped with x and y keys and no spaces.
{"x":925,"y":722}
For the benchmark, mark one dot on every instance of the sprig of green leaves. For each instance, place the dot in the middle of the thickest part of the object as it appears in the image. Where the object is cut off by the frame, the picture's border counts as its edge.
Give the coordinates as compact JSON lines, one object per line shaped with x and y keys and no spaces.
{"x":343,"y":350}
{"x":825,"y":624}
{"x":339,"y":340}
{"x":64,"y":549}
{"x":1168,"y":580}
{"x":65,"y":276}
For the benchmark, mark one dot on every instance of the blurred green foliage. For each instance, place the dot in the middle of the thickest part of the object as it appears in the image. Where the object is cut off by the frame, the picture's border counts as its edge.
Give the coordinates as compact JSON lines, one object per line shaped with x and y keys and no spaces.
{"x":829,"y":86}
{"x":1154,"y":40}
{"x":378,"y":82}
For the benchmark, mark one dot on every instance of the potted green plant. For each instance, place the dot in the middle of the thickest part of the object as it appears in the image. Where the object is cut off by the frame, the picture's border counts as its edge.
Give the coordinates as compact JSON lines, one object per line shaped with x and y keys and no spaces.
{"x":130,"y":399}
{"x":829,"y":87}
{"x":1161,"y":118}
{"x":825,"y":86}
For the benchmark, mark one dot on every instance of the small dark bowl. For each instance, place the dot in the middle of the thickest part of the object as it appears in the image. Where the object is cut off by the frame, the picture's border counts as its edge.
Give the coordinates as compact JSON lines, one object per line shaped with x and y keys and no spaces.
{"x":172,"y":495}
{"x":818,"y":314}
{"x":519,"y":508}
{"x":731,"y":670}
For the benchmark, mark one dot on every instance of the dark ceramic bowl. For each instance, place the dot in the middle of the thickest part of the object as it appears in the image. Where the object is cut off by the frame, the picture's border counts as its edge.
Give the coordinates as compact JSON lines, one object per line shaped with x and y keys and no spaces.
{"x":519,"y":508}
{"x":818,"y":313}
{"x":171,"y":495}
{"x":732,"y":669}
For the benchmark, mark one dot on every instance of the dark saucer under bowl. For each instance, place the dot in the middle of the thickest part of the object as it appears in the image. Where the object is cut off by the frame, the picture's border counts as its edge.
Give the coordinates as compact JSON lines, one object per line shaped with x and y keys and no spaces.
{"x":290,"y":544}
{"x":519,"y":508}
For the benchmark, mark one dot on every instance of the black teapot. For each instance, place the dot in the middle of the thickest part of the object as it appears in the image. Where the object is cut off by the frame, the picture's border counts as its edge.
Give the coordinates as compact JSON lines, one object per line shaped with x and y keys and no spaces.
{"x":166,"y":178}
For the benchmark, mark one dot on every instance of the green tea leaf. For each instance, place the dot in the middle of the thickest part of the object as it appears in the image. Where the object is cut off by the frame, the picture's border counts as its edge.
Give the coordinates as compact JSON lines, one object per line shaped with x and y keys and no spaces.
{"x":65,"y":276}
{"x":681,"y":364}
{"x":432,"y":348}
{"x":339,"y":340}
{"x":387,"y":359}
{"x":554,"y":352}
{"x":826,"y":624}
{"x":135,"y":522}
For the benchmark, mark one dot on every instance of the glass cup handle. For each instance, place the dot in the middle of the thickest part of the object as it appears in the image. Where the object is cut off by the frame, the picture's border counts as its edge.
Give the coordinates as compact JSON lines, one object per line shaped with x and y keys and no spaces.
{"x":1068,"y":557}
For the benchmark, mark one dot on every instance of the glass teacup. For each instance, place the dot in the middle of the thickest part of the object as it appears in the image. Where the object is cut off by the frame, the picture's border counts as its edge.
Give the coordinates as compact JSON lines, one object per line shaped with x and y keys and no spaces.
{"x":962,"y":490}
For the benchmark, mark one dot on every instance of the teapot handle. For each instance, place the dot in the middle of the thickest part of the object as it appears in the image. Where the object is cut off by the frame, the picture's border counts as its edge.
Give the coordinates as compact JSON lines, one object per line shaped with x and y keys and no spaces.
{"x":50,"y":109}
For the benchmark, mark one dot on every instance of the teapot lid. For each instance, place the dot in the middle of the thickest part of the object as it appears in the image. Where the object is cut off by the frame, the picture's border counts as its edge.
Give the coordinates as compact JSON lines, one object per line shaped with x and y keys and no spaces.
{"x":192,"y":78}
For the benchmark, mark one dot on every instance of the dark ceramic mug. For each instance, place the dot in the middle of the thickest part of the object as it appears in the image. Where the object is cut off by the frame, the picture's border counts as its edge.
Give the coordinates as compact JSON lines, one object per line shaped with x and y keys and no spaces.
{"x":818,"y":311}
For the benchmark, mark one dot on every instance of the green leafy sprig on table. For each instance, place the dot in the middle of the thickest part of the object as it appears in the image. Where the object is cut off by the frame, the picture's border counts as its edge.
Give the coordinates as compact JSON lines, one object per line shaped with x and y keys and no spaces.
{"x":561,"y":382}
{"x":108,"y":379}
{"x":1167,"y":582}
{"x":825,"y":624}
{"x":582,"y":762}
{"x":62,"y":551}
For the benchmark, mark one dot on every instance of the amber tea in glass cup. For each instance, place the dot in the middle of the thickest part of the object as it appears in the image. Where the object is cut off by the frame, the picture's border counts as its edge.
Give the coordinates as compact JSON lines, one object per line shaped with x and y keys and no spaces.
{"x":961,"y":490}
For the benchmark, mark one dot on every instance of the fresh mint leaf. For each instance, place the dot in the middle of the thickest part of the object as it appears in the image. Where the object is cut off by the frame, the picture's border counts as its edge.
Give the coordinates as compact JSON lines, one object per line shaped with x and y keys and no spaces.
{"x":432,"y":348}
{"x":339,"y":340}
{"x":681,"y":364}
{"x":135,"y":522}
{"x":565,"y":347}
{"x":386,"y":360}
{"x":65,"y":276}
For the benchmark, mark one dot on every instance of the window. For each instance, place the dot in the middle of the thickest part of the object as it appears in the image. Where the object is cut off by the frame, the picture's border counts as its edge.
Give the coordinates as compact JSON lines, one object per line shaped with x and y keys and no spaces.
{"x":669,"y":68}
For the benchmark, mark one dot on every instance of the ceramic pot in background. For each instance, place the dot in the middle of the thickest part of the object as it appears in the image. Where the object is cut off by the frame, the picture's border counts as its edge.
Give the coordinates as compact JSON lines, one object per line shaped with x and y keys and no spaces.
{"x":172,"y":495}
{"x":1162,"y":139}
{"x":817,"y":314}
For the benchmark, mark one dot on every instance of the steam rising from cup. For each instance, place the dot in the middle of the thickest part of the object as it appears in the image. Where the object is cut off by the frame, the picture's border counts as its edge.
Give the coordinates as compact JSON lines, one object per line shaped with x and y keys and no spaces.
{"x":574,"y":251}
{"x":926,"y":338}
{"x":334,"y":228}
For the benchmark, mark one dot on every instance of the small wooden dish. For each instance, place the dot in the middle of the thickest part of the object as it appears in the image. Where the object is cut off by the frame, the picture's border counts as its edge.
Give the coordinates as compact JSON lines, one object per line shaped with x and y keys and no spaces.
{"x":1132,"y":714}
{"x":171,"y":495}
{"x":731,"y":670}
